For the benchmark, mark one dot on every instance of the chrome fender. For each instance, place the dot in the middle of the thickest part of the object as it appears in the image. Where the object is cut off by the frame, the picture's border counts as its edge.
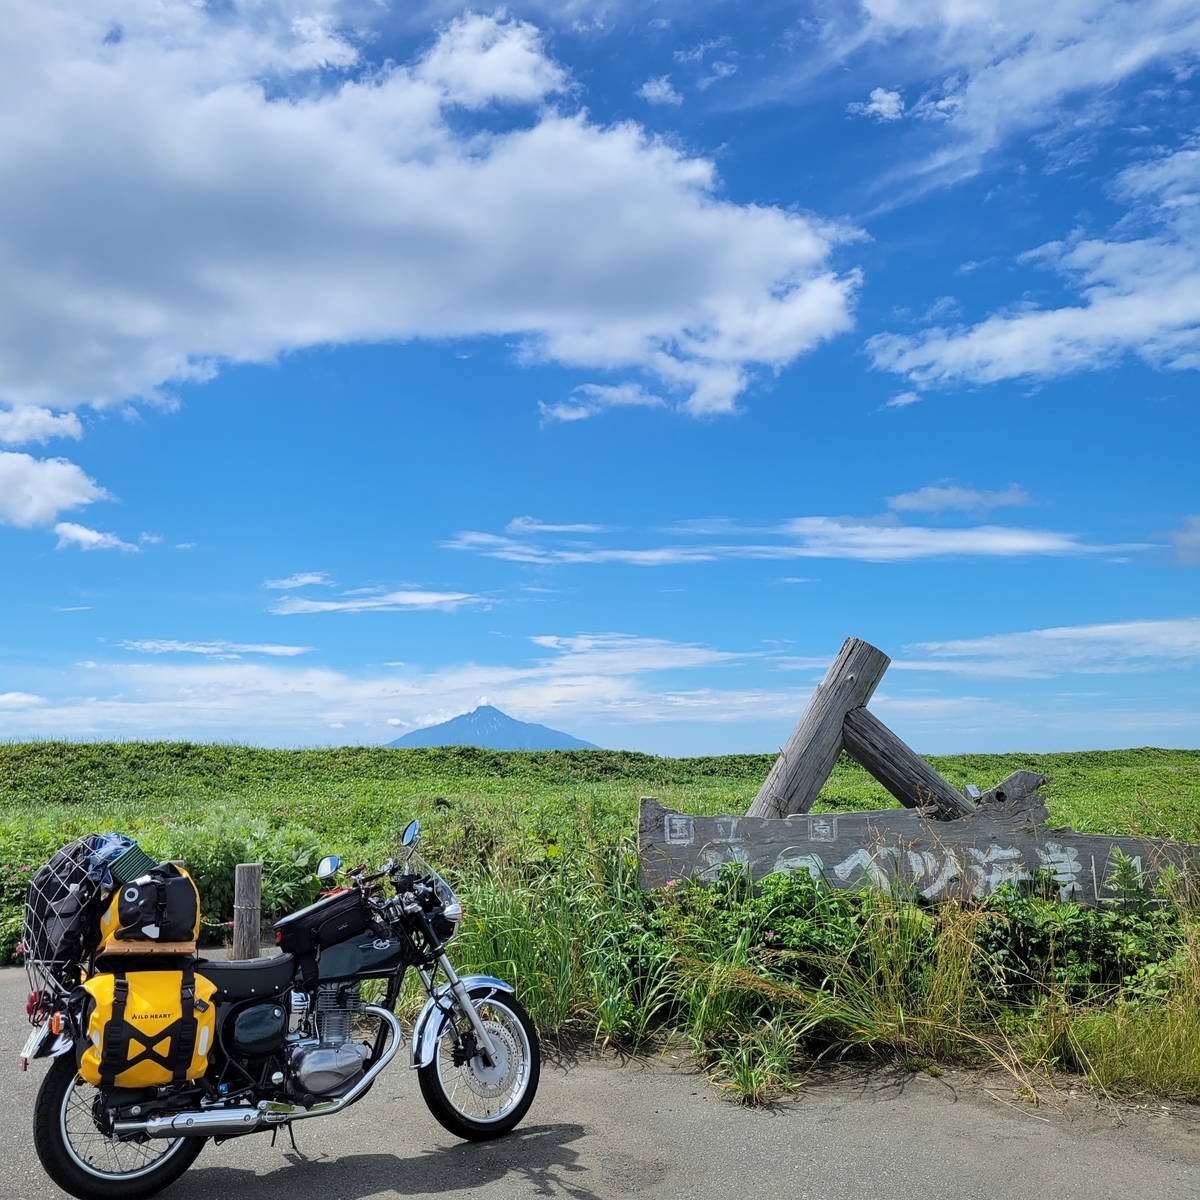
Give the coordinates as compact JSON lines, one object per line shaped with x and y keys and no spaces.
{"x":428,"y":1025}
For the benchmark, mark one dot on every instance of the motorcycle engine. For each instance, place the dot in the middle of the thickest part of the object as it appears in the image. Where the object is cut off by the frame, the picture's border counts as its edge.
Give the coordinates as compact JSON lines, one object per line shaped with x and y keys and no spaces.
{"x":327,"y":1061}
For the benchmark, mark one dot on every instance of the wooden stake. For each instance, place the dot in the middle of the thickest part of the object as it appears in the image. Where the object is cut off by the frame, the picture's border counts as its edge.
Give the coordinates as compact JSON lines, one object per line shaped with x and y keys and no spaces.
{"x":804,"y":765}
{"x":904,"y":773}
{"x":247,"y":910}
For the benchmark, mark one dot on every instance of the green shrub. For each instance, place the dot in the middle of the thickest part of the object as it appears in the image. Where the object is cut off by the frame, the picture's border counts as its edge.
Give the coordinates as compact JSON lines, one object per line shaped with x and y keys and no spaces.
{"x":10,"y":932}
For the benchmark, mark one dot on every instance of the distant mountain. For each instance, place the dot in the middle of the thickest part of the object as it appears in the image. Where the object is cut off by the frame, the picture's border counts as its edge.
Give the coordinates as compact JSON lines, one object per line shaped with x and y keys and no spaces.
{"x":493,"y":730}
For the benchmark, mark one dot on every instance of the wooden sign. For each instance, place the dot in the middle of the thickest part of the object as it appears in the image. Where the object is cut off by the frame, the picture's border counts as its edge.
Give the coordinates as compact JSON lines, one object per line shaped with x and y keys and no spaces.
{"x":899,"y":848}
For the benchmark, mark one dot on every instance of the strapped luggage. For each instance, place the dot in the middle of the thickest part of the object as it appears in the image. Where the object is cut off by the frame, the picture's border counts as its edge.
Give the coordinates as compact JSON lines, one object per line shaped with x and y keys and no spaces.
{"x":62,"y":904}
{"x":157,"y":913}
{"x":146,"y":1028}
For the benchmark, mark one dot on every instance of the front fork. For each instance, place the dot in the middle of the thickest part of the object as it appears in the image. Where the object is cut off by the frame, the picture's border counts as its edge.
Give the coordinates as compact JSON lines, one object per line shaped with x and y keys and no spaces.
{"x":483,"y":1039}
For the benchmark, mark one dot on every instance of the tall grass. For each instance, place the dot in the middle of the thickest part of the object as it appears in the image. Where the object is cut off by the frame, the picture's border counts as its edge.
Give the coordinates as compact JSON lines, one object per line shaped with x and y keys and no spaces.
{"x":764,"y":981}
{"x":1147,"y":1045}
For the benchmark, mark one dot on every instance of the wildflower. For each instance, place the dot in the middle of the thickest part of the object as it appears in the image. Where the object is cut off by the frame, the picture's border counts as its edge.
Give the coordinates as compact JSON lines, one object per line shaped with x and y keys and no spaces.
{"x":671,"y":883}
{"x":769,"y":935}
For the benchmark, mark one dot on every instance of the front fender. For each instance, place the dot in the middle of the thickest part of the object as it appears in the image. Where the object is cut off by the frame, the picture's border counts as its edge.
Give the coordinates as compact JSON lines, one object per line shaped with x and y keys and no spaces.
{"x":427,"y":1028}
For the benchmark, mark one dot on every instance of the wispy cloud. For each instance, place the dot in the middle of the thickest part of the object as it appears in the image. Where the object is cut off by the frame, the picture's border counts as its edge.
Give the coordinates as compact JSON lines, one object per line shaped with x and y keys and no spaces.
{"x":215,"y":649}
{"x":591,"y":399}
{"x":397,"y":601}
{"x":1116,"y":648}
{"x":1186,"y":542}
{"x":299,"y":580}
{"x":1139,"y":295}
{"x":882,"y":539}
{"x":70,"y":534}
{"x":609,"y":680}
{"x":533,"y":525}
{"x":960,"y":499}
{"x":992,"y":70}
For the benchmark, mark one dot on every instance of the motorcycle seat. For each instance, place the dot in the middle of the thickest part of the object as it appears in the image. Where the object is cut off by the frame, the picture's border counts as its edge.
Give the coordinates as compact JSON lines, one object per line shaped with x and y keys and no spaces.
{"x":245,"y":978}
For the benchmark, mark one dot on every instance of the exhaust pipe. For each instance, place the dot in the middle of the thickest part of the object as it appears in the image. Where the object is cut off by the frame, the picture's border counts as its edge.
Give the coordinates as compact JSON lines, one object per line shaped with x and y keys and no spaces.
{"x":226,"y":1122}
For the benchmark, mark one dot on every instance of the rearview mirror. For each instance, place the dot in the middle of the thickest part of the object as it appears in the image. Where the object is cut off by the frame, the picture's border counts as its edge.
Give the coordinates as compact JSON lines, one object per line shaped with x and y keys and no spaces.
{"x":328,"y":866}
{"x":412,"y":831}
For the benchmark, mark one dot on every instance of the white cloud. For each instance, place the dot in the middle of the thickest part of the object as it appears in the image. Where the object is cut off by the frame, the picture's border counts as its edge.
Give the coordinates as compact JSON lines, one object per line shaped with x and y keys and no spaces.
{"x":1186,"y":542}
{"x":1140,"y":295}
{"x":883,"y":105}
{"x":33,"y":491}
{"x":532,"y":525}
{"x":659,"y":91}
{"x":960,"y":499}
{"x":864,"y":540}
{"x":903,"y":400}
{"x":32,"y":424}
{"x":397,"y":601}
{"x":70,"y":534}
{"x":615,"y":680}
{"x":848,"y":537}
{"x":720,"y":70}
{"x":226,"y":204}
{"x":590,"y":399}
{"x":1003,"y":66}
{"x":298,"y":580}
{"x":616,"y":689}
{"x":1119,"y":647}
{"x":215,"y":649}
{"x":480,"y":60}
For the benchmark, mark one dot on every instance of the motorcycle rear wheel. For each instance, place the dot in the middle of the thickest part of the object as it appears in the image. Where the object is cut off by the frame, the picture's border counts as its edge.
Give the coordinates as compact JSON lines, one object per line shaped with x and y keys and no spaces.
{"x":477,"y":1102}
{"x":85,"y":1163}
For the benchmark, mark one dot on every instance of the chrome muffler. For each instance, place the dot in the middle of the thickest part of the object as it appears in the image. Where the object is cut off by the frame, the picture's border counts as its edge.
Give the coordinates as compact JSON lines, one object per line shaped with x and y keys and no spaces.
{"x":227,"y":1122}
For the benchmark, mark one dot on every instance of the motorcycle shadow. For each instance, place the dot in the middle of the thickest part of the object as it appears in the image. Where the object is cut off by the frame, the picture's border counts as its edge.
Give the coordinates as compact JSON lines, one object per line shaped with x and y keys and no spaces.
{"x":540,"y":1153}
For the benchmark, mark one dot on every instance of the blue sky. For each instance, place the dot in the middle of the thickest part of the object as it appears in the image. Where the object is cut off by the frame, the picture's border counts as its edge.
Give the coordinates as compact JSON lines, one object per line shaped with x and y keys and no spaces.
{"x":610,"y":363}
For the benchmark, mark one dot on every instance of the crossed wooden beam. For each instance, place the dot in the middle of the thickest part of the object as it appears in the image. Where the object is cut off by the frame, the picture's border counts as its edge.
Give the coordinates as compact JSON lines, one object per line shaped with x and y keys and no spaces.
{"x":837,"y":719}
{"x":941,"y":845}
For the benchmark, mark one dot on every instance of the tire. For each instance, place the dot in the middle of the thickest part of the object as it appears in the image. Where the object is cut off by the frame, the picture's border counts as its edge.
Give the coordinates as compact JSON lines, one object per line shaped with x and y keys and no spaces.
{"x":479,"y":1103}
{"x":86,"y":1164}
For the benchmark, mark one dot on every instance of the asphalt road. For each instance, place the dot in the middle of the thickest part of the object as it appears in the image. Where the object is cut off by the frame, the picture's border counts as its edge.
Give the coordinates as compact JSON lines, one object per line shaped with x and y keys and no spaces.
{"x":601,"y":1128}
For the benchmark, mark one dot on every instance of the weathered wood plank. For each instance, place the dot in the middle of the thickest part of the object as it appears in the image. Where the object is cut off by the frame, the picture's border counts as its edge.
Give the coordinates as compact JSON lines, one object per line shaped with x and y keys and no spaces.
{"x":247,"y":910}
{"x":812,"y":749}
{"x":890,"y":848}
{"x":1017,"y":786}
{"x":904,"y":773}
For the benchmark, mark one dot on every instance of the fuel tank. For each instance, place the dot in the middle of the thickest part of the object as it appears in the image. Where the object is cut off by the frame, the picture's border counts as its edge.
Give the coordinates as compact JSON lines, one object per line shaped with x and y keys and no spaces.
{"x":362,"y":957}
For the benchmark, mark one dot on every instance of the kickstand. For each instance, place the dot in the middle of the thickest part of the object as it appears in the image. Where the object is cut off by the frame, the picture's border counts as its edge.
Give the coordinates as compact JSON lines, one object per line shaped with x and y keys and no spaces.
{"x":292,"y":1135}
{"x":274,"y":1135}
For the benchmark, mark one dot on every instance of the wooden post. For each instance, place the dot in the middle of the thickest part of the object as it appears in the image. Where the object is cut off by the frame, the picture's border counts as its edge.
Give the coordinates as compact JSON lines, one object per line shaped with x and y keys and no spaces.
{"x":905,"y":774}
{"x":247,"y":910}
{"x":804,"y":765}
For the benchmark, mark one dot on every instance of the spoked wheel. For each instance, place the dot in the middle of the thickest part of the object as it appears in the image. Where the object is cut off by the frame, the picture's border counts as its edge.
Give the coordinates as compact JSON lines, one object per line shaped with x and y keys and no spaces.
{"x":475,"y":1101}
{"x":90,"y":1164}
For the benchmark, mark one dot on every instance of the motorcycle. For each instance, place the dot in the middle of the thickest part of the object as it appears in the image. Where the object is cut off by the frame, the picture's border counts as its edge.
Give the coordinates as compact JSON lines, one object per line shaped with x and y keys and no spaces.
{"x":296,"y":1040}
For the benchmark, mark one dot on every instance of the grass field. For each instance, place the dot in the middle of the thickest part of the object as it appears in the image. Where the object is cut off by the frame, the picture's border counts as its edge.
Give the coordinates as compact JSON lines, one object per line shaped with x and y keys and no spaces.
{"x":358,"y":797}
{"x":759,"y":980}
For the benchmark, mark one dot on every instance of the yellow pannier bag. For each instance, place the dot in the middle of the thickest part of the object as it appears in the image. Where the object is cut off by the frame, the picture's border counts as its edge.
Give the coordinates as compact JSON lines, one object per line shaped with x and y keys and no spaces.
{"x":158,"y":912}
{"x":148,"y":1028}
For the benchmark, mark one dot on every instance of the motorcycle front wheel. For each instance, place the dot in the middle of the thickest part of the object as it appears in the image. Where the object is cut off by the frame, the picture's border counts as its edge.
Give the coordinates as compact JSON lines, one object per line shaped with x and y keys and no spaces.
{"x":475,"y":1101}
{"x":86,"y":1162}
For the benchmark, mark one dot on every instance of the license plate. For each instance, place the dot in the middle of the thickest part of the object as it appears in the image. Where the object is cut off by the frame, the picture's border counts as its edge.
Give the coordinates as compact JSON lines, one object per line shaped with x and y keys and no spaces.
{"x":36,"y":1037}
